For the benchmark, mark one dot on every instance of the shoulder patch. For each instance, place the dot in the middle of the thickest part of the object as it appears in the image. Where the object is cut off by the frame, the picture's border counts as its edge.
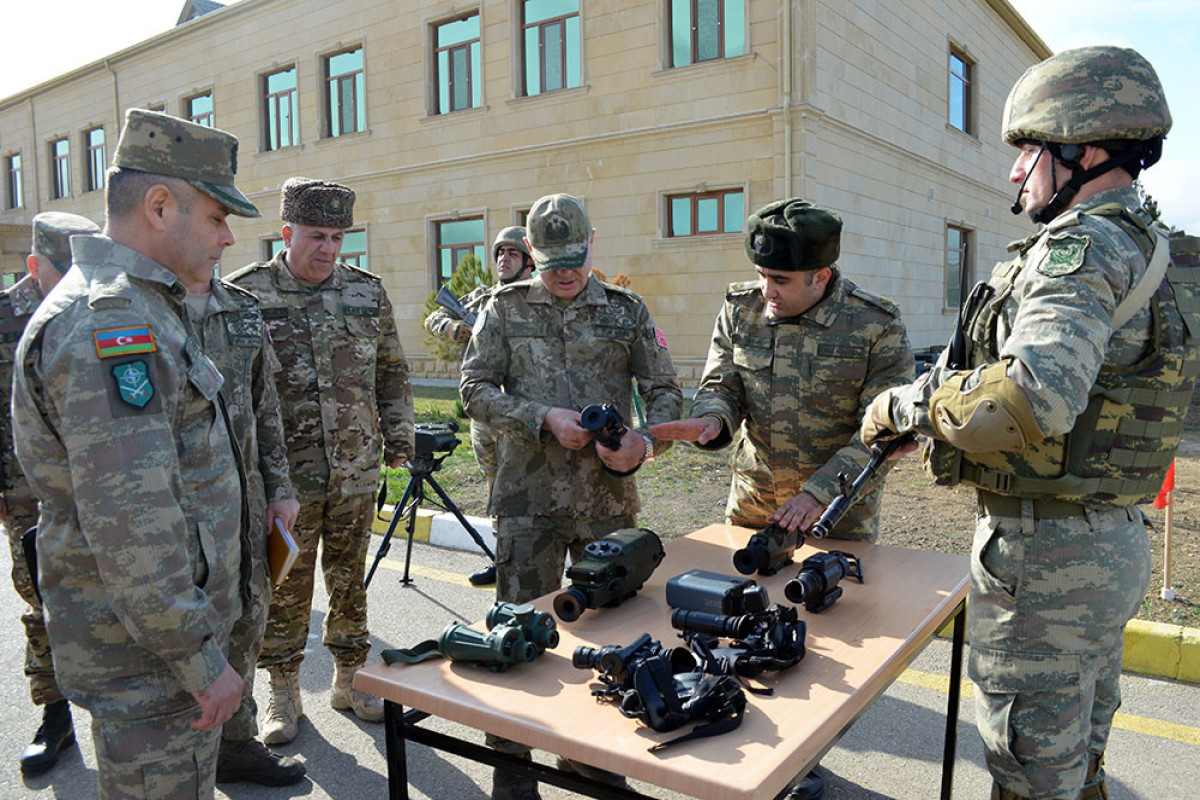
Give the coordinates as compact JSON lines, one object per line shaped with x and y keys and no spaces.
{"x":1064,"y":255}
{"x":134,"y":385}
{"x":124,"y":341}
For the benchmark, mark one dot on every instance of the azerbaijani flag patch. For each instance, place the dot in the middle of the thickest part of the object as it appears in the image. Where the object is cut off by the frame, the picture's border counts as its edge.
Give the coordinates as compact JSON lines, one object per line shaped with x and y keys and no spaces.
{"x":124,"y":341}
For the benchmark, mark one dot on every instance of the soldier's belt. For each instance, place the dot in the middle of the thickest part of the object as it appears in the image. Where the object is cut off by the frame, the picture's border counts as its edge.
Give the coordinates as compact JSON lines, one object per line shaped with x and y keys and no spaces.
{"x":997,"y":505}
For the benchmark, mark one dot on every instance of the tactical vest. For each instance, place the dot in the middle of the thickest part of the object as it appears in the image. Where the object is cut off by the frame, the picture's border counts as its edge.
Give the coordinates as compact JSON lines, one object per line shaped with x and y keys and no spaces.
{"x":1118,"y":452}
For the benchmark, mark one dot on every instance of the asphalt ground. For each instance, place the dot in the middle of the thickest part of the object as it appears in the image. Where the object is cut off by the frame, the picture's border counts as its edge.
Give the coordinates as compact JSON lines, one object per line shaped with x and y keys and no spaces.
{"x":893,"y":751}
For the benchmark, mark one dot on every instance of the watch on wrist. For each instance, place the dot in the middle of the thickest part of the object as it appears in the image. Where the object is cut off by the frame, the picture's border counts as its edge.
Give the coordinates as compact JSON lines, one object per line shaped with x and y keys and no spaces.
{"x":649,"y":454}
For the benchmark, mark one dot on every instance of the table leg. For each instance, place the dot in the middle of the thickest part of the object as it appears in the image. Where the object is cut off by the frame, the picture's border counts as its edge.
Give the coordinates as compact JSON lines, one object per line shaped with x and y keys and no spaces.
{"x":956,"y":656}
{"x":397,"y":758}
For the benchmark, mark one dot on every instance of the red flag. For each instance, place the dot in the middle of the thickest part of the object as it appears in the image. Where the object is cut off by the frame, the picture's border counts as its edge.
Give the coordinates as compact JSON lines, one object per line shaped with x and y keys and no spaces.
{"x":1168,"y":486}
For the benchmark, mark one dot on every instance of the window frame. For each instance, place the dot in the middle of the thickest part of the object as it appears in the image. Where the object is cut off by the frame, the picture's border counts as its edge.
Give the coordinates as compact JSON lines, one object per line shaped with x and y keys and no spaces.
{"x":959,"y":88}
{"x":270,"y":102}
{"x":208,"y":118}
{"x":523,"y":57}
{"x":436,"y":246}
{"x":952,"y":273}
{"x":14,"y":187}
{"x":695,"y":195}
{"x":356,"y":258}
{"x":694,"y":29}
{"x":357,"y":78}
{"x":474,"y":65}
{"x":60,"y":169}
{"x":96,"y":162}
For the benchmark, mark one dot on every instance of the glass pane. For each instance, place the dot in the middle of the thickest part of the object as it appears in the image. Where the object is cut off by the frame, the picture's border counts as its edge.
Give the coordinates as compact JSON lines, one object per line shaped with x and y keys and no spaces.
{"x":460,"y":70}
{"x":274,"y":247}
{"x":681,"y":216}
{"x":552,"y":56}
{"x":446,"y":265}
{"x":281,"y":81}
{"x":199,"y":106}
{"x":708,"y":18}
{"x":538,"y":10}
{"x":476,"y":83}
{"x":735,"y":28}
{"x":360,"y":108}
{"x":464,"y":231}
{"x":335,"y":113}
{"x":533,"y":79}
{"x":462,"y":30}
{"x":958,"y":113}
{"x":345,"y":62}
{"x":443,"y":71}
{"x":571,"y":44}
{"x":734,"y":213}
{"x":96,"y":137}
{"x":708,"y":212}
{"x":289,"y":126}
{"x":958,"y":66}
{"x":681,"y":32}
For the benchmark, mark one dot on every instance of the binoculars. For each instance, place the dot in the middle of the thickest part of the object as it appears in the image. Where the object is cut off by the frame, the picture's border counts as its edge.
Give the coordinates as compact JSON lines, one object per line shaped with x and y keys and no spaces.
{"x":606,"y":424}
{"x":768,"y":551}
{"x":612,"y":570}
{"x":516,"y":634}
{"x":816,"y":585}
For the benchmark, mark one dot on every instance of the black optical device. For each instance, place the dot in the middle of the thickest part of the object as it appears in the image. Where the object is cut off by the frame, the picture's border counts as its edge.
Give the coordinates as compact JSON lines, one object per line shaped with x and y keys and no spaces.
{"x":612,"y":569}
{"x":605,"y":423}
{"x":817,"y":583}
{"x":435,"y":437}
{"x":768,"y":551}
{"x":714,"y":593}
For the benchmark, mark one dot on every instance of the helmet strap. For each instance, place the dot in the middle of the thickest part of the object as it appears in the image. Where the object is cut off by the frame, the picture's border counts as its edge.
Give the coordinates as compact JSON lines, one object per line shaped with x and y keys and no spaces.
{"x":1069,"y":155}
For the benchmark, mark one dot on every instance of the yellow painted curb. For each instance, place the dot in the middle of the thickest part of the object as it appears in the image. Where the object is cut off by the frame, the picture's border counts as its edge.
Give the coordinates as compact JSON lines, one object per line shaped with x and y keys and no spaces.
{"x":1189,"y":656}
{"x":420,"y":529}
{"x":1153,"y":648}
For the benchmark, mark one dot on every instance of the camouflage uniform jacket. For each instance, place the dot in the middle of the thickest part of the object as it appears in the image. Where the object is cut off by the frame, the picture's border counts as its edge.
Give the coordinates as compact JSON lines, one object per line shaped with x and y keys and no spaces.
{"x":17,"y":304}
{"x":531,"y":352}
{"x":439,"y":322}
{"x":795,"y":389}
{"x":139,"y":539}
{"x":344,"y":386}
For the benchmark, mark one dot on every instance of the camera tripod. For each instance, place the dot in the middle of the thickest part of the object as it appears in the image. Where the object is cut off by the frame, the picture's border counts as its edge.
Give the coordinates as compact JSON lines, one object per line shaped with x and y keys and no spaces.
{"x":420,"y":470}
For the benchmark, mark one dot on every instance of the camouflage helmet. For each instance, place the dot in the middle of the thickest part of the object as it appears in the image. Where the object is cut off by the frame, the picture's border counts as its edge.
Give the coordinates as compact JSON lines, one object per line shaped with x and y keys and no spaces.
{"x":514,"y":236}
{"x":1087,"y":95}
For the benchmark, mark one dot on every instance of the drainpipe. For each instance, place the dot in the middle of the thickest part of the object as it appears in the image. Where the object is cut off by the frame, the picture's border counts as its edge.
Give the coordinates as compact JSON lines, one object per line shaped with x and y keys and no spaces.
{"x":36,"y":205}
{"x":786,"y":66}
{"x":116,"y":96}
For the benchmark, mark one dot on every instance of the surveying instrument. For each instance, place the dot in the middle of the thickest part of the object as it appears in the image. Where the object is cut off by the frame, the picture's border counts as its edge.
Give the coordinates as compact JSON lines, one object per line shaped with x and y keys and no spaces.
{"x":435,"y":441}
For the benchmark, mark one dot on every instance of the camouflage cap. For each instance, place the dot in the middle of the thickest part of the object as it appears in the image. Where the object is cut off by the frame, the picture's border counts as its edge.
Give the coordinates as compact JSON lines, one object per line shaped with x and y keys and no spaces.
{"x":1085,"y":95}
{"x":176,"y":148}
{"x":52,"y":232}
{"x":513,"y":236}
{"x":793,"y":235}
{"x":558,"y":232}
{"x":319,"y":204}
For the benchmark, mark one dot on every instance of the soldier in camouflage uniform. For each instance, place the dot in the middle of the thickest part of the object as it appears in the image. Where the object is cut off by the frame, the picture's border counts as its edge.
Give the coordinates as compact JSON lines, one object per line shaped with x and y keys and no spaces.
{"x":234,"y":336}
{"x":541,"y":351}
{"x":121,"y":429}
{"x":513,"y":263}
{"x":346,"y":401}
{"x":796,"y":357}
{"x":1063,"y":410}
{"x":49,"y":259}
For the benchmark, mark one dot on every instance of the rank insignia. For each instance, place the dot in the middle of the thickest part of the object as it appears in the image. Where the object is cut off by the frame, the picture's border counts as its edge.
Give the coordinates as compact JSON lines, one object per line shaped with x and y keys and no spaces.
{"x":133,"y":383}
{"x":1065,"y":255}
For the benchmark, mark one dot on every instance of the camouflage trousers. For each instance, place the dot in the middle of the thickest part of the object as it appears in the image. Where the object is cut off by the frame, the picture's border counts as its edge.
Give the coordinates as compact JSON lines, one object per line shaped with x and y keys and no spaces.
{"x":483,"y":442}
{"x":750,"y":503}
{"x":1048,"y":604}
{"x":342,"y":527}
{"x":160,"y":758}
{"x":39,"y":666}
{"x":246,"y":639}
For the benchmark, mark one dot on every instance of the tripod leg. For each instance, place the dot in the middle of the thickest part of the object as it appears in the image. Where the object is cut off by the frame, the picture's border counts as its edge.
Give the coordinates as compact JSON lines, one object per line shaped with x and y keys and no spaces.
{"x":448,"y":504}
{"x":386,"y":544}
{"x":417,"y":484}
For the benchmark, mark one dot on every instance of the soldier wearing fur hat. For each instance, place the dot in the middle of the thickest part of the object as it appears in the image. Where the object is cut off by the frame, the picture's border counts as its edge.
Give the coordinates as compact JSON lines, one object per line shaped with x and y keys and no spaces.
{"x":796,"y":357}
{"x":120,"y":428}
{"x":347,"y":402}
{"x":1062,"y":403}
{"x":49,"y":258}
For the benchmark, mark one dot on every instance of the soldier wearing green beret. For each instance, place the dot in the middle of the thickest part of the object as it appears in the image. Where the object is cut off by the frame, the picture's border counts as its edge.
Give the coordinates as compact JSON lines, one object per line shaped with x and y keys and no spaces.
{"x":1062,"y":404}
{"x":121,"y":429}
{"x":48,"y":259}
{"x":796,"y":357}
{"x":346,"y":402}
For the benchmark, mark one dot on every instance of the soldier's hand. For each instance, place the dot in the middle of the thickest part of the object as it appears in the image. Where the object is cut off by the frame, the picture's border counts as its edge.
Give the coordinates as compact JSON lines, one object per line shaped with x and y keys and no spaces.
{"x":701,"y":430}
{"x":877,"y":423}
{"x":460,"y":332}
{"x":799,"y":512}
{"x":219,"y":700}
{"x":628,"y":456}
{"x":286,"y":511}
{"x":564,"y":424}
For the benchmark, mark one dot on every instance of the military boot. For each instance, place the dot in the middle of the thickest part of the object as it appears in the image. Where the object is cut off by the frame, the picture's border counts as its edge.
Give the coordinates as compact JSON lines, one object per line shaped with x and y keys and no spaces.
{"x":810,"y":787}
{"x":366,"y":707}
{"x":595,"y":773}
{"x":507,"y":785}
{"x":250,"y":760}
{"x":284,"y":709}
{"x":55,"y":734}
{"x":1000,"y":793}
{"x":1099,"y":791}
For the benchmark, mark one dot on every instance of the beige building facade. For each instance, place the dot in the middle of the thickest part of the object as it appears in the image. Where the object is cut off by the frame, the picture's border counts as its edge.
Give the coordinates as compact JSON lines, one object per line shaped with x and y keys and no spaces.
{"x":673,"y":119}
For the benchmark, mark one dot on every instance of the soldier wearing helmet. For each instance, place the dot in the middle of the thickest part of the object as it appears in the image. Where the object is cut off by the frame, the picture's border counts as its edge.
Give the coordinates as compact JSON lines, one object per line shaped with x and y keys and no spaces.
{"x":1061,"y":400}
{"x":513,"y":263}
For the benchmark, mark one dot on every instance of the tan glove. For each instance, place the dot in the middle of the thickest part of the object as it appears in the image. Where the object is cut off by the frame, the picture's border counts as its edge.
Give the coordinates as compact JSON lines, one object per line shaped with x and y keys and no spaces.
{"x":461,"y":332}
{"x":877,"y":423}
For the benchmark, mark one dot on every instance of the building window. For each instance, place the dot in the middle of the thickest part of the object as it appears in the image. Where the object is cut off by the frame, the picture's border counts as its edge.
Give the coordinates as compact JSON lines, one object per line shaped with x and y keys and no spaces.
{"x":552,"y":45}
{"x":354,"y":249}
{"x":282,"y":125}
{"x":960,"y":92}
{"x":14,"y":194}
{"x":455,"y":240}
{"x":93,"y":140}
{"x":457,"y":63}
{"x":199,"y":109}
{"x":958,"y":265}
{"x":346,"y":90}
{"x":705,"y":213}
{"x":60,"y":168}
{"x":272,"y":247}
{"x":702,"y":30}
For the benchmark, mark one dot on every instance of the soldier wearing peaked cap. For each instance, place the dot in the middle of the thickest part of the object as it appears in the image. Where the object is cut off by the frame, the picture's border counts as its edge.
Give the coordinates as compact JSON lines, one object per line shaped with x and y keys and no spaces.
{"x":346,"y":402}
{"x":120,"y":427}
{"x":796,"y":357}
{"x":1062,"y":404}
{"x":49,"y":258}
